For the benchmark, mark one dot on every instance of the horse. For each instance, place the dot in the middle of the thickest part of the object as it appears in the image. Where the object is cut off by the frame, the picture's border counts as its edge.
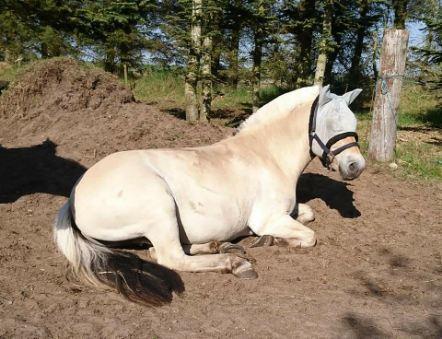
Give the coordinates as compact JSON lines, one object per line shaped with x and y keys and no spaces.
{"x":191,"y":202}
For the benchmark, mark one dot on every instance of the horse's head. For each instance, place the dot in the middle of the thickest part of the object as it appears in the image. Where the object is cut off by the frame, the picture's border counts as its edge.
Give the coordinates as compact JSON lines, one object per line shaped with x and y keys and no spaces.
{"x":333,"y":133}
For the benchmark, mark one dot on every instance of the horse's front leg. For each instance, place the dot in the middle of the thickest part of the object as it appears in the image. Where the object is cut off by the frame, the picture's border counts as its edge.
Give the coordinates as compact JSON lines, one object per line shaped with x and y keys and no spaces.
{"x":285,"y":231}
{"x":305,"y":213}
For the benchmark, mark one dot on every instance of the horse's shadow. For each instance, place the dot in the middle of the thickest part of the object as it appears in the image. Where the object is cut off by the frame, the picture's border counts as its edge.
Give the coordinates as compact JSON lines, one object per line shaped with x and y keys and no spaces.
{"x":334,"y":193}
{"x":36,"y":169}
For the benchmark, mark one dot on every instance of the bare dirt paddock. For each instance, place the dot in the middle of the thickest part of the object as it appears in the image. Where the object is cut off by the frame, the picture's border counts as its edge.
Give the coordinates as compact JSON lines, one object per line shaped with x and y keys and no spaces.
{"x":376,"y":271}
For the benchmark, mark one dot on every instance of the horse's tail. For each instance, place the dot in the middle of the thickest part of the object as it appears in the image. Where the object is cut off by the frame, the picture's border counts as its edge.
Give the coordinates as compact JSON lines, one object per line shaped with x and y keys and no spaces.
{"x":138,"y":280}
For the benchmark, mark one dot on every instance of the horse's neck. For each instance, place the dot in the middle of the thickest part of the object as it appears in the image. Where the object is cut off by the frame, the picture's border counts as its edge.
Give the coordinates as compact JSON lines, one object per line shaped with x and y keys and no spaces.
{"x":284,"y":140}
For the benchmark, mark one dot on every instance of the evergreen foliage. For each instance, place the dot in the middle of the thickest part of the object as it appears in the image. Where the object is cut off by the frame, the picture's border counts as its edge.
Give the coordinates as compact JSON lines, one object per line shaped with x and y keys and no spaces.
{"x":254,"y":42}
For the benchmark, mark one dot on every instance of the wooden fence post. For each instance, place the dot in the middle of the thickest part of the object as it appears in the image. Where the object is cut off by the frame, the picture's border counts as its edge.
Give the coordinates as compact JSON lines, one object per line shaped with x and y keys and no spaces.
{"x":125,"y":73}
{"x":388,"y":90}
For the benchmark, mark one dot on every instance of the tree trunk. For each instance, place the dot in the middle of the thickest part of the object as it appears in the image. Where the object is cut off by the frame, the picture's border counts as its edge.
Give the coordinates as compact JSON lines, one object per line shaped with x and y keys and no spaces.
{"x":44,"y":50}
{"x":388,"y":90}
{"x":8,"y":56}
{"x":331,"y":58}
{"x":355,"y":69}
{"x":374,"y":57}
{"x":206,"y":75}
{"x":324,"y":45}
{"x":216,"y":55}
{"x":109,"y":60}
{"x":256,"y":71}
{"x":234,"y":64}
{"x":400,"y":13}
{"x":191,"y":81}
{"x":306,"y":13}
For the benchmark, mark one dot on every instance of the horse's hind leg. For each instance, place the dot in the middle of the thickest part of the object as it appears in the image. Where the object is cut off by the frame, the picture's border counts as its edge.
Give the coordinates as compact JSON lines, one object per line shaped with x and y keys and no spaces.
{"x":176,"y":258}
{"x":212,"y":247}
{"x":163,"y":233}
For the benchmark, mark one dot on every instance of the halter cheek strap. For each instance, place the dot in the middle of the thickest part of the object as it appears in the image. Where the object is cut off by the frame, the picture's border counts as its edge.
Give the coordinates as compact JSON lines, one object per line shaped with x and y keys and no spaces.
{"x":327,"y":154}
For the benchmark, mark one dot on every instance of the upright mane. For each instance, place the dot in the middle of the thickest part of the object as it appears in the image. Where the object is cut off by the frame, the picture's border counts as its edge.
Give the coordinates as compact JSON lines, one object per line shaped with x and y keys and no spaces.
{"x":280,"y":106}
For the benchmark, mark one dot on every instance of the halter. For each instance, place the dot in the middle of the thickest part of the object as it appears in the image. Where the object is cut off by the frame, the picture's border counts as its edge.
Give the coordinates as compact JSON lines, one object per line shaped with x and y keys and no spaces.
{"x":327,"y":155}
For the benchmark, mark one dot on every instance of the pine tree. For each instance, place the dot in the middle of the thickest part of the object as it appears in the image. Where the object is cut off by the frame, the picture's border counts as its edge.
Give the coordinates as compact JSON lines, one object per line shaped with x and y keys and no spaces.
{"x":326,"y":43}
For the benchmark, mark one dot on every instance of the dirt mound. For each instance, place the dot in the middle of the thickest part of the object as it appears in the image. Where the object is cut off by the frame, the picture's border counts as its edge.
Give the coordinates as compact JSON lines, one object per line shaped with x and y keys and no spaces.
{"x":87,"y":114}
{"x":64,"y":84}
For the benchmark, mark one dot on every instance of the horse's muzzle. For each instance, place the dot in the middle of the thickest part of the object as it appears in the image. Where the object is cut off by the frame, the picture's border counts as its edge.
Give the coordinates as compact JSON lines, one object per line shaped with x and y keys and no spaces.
{"x":351,"y":166}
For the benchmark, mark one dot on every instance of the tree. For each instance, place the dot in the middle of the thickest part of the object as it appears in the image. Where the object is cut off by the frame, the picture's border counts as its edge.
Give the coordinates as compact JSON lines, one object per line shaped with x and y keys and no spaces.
{"x":428,"y":57}
{"x":36,"y":28}
{"x":305,"y":28}
{"x":326,"y":43}
{"x":262,"y":23}
{"x":115,"y":30}
{"x":210,"y":29}
{"x":192,"y":111}
{"x":400,"y":13}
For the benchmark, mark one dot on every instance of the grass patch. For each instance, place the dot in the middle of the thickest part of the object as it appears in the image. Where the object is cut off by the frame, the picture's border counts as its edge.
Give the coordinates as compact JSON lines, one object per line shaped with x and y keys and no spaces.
{"x":160,"y":86}
{"x":9,"y":72}
{"x":227,"y":97}
{"x":166,"y":89}
{"x":417,"y":158}
{"x":419,"y":106}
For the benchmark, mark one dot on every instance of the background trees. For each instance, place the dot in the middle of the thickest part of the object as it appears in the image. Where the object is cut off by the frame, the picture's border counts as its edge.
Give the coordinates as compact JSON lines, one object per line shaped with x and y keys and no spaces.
{"x":232,"y":43}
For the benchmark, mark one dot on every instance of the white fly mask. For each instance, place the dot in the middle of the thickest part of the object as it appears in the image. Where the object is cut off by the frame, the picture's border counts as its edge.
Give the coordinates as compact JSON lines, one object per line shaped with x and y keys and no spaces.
{"x":332,"y":122}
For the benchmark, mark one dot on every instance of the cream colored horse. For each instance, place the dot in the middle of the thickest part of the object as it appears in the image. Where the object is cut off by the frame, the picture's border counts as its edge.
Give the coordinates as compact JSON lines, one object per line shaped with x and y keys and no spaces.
{"x":186,"y":201}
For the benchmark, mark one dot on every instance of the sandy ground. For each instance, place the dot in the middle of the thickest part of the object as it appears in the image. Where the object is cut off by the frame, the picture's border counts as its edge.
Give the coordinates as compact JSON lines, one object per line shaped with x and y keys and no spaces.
{"x":376,"y":271}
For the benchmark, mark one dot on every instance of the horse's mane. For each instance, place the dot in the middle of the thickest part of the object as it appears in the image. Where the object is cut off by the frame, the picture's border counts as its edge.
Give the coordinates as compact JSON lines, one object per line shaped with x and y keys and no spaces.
{"x":281,"y":106}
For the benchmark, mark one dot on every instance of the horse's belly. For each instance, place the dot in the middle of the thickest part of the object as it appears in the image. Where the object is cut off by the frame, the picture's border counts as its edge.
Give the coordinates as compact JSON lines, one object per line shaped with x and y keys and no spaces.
{"x":202,"y":229}
{"x":204,"y":220}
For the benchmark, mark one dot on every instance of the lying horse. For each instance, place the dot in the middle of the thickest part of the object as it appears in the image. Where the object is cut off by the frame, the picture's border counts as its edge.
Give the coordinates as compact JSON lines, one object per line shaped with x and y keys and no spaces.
{"x":187,"y":201}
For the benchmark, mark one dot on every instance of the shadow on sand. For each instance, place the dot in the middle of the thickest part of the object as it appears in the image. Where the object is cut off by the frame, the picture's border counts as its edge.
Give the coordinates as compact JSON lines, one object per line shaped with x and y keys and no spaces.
{"x":36,"y":169}
{"x":335,"y":194}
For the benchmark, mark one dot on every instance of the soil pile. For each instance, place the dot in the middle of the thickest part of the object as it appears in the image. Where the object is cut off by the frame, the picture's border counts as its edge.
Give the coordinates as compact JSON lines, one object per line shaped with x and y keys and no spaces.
{"x":87,"y":114}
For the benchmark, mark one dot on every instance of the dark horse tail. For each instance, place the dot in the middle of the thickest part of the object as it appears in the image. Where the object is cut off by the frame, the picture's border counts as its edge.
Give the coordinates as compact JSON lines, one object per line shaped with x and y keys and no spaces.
{"x":136,"y":279}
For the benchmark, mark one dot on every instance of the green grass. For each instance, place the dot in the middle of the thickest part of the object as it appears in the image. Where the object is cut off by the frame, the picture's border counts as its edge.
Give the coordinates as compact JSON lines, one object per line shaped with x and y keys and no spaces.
{"x":419,"y":159}
{"x":9,"y":72}
{"x":418,"y":153}
{"x":159,"y":86}
{"x":227,"y":97}
{"x":166,"y":88}
{"x":419,"y":106}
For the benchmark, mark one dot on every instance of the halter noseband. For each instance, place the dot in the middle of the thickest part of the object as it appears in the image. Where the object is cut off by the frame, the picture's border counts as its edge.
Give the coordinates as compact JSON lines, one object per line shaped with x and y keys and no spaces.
{"x":328,"y":154}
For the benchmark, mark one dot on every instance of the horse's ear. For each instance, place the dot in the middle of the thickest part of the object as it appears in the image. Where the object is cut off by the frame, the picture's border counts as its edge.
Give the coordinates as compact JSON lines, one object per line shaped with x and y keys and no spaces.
{"x":349,"y":97}
{"x":324,"y":96}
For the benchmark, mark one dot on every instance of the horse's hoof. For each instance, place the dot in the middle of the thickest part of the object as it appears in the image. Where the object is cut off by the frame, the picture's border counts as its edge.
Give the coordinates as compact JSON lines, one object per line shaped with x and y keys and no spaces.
{"x":263,"y":241}
{"x":243,"y":269}
{"x":228,"y":247}
{"x":249,"y":274}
